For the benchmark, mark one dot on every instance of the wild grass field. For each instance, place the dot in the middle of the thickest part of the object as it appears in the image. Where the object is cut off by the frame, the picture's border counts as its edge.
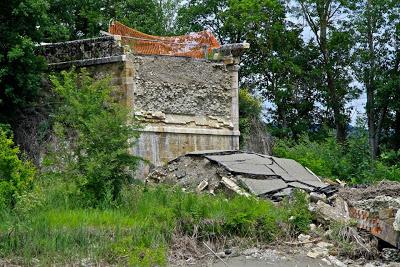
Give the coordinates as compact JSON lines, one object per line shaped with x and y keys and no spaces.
{"x":138,"y":230}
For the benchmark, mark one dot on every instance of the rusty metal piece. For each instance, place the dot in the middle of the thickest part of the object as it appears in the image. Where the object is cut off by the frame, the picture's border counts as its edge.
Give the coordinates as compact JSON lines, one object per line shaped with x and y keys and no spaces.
{"x":380,"y":228}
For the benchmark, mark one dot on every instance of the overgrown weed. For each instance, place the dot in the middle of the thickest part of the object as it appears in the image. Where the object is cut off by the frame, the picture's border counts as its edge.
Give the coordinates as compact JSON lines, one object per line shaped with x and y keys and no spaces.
{"x":350,"y":242}
{"x":139,"y":230}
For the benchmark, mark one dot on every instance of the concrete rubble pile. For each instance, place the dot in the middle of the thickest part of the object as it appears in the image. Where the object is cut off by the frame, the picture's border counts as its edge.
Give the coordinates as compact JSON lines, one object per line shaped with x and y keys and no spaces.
{"x":238,"y":172}
{"x":374,"y":210}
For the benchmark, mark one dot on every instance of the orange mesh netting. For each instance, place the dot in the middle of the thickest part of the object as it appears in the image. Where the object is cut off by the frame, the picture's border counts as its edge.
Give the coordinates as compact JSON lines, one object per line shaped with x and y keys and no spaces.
{"x":190,"y":45}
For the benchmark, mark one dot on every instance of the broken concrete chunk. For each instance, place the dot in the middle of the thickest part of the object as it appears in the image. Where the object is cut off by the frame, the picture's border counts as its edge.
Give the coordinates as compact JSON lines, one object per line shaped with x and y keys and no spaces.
{"x":203,"y":184}
{"x":336,"y":262}
{"x":315,"y":197}
{"x":303,"y":238}
{"x":283,"y":193}
{"x":374,"y":205}
{"x":326,"y":261}
{"x":326,"y":213}
{"x":261,"y":175}
{"x":250,"y":251}
{"x":297,"y":171}
{"x":317,"y":252}
{"x":301,"y":186}
{"x":324,"y":244}
{"x":180,"y":174}
{"x":230,"y":184}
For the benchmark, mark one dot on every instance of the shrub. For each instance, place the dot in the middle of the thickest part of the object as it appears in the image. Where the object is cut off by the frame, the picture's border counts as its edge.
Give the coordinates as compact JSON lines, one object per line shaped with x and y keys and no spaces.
{"x":322,"y":158}
{"x":297,"y":212}
{"x":350,"y":162}
{"x":16,"y":175}
{"x":94,"y":134}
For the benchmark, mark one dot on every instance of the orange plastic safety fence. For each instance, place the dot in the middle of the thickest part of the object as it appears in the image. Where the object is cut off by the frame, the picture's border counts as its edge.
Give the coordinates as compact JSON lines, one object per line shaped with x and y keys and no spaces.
{"x":193,"y":45}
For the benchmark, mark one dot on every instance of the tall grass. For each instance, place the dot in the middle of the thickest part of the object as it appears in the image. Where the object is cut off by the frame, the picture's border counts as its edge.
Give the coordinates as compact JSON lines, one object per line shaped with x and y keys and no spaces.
{"x":138,"y":230}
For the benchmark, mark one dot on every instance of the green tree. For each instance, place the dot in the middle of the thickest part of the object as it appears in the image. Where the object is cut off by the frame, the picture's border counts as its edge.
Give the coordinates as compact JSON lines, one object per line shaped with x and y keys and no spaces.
{"x":85,"y":19}
{"x":94,"y":134}
{"x":232,"y":21}
{"x":288,"y":76}
{"x":21,"y":27}
{"x":378,"y":59}
{"x":333,"y":38}
{"x":278,"y":65}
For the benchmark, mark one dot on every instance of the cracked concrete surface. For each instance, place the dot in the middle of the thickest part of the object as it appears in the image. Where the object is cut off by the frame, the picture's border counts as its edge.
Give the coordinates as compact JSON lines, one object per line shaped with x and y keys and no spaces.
{"x":258,"y":174}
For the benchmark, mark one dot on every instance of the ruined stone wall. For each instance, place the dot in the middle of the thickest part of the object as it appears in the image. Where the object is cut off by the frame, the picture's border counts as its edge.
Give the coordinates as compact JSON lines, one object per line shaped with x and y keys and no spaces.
{"x":184,"y":104}
{"x":83,"y":52}
{"x":177,"y":85}
{"x":182,"y":91}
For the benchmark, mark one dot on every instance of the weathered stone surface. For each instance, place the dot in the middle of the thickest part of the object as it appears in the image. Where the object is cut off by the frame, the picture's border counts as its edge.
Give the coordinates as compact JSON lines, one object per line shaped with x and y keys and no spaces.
{"x":85,"y":49}
{"x":327,"y":214}
{"x":396,"y":223}
{"x":176,"y":85}
{"x":263,"y":186}
{"x":374,"y":205}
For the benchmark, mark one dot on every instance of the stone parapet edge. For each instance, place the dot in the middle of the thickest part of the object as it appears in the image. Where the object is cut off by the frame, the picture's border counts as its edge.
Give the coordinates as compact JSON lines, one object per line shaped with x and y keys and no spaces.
{"x":88,"y":62}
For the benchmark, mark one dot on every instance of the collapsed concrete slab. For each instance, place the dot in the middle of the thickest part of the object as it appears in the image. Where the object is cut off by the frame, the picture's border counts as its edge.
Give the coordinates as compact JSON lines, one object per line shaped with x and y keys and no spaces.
{"x":261,"y":175}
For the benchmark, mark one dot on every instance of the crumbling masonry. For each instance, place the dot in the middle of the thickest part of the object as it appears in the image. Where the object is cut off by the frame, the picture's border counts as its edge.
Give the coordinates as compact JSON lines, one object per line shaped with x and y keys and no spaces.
{"x":185,"y":104}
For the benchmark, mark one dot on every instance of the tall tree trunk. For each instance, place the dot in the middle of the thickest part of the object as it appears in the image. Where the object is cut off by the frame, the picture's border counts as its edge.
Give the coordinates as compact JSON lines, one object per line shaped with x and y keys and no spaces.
{"x":370,"y":86}
{"x":333,"y":101}
{"x":396,"y":138}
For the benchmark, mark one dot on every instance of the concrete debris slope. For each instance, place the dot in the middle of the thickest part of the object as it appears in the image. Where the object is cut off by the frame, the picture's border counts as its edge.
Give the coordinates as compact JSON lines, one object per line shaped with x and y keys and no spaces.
{"x":376,"y":208}
{"x":239,"y":172}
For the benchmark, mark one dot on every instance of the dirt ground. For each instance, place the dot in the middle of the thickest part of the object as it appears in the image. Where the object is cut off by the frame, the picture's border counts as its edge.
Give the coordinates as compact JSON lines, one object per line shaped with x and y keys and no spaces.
{"x":293,"y":261}
{"x":282,"y":256}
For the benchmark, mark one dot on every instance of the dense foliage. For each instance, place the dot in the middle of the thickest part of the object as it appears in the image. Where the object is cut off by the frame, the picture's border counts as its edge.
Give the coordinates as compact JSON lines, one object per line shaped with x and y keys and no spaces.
{"x":20,"y":68}
{"x":250,"y":109}
{"x":16,"y":175}
{"x":94,"y":134}
{"x":350,"y":162}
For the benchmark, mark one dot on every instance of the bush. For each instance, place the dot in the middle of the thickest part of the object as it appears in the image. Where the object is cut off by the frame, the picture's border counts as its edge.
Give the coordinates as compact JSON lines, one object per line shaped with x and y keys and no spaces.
{"x":350,"y":162}
{"x":94,"y":134}
{"x":323,"y":158}
{"x":16,"y":175}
